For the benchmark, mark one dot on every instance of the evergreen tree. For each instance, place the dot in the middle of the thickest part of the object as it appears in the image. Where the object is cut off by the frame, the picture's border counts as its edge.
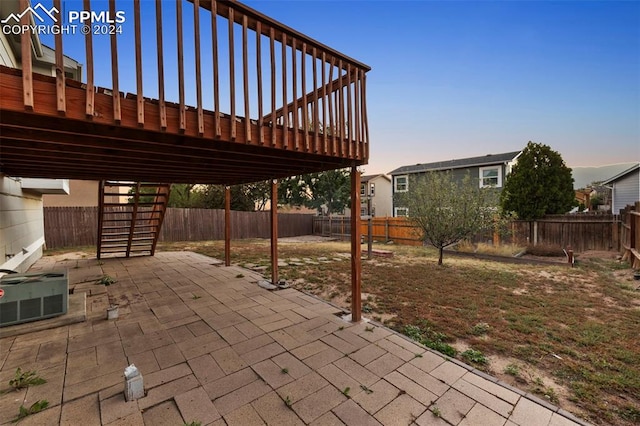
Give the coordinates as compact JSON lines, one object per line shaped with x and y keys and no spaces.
{"x":540,"y":183}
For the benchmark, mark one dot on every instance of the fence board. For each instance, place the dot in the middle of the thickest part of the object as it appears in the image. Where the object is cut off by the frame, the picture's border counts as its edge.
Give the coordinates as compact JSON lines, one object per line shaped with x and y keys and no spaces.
{"x":580,"y":232}
{"x":78,"y":226}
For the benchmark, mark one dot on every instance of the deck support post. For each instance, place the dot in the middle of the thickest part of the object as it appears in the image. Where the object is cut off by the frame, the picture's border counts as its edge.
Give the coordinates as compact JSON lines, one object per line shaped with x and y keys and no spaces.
{"x":227,"y":226}
{"x":274,"y":232}
{"x":356,"y":249}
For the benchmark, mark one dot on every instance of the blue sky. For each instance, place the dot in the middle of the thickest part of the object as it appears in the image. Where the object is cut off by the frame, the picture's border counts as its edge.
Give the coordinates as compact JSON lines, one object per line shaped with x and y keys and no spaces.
{"x":454,"y":79}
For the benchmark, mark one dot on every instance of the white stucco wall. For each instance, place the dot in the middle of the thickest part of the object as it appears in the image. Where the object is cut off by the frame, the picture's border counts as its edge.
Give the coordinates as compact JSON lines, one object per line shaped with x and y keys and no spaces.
{"x":21,"y":225}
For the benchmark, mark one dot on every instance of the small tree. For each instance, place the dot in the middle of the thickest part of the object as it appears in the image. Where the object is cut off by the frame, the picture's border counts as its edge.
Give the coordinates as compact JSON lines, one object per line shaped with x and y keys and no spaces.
{"x":540,"y":183}
{"x":447,"y":211}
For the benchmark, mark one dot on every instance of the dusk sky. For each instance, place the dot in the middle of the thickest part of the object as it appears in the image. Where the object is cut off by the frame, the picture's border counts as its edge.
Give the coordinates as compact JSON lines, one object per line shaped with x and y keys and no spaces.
{"x":455,"y":79}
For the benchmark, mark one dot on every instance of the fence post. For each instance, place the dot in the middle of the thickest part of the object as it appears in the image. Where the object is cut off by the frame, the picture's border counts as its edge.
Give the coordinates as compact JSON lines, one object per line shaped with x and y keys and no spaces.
{"x":535,"y":232}
{"x":386,"y":230}
{"x":632,"y":229}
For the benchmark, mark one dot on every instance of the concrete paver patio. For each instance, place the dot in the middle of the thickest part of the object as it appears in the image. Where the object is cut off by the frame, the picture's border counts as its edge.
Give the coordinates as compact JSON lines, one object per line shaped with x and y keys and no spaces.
{"x":215,"y":348}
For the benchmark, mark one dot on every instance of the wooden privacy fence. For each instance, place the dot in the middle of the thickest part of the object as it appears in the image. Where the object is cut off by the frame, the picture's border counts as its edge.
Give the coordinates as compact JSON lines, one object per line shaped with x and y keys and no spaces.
{"x":397,"y":229}
{"x":630,"y":234}
{"x":78,"y":226}
{"x":580,"y":232}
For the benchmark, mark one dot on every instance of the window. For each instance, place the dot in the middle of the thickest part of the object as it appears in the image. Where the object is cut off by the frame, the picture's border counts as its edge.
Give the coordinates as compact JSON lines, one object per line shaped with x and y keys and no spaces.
{"x":372,"y":190}
{"x":363,"y":211}
{"x":401,"y":212}
{"x":363,"y":187}
{"x":401,"y":183}
{"x":490,"y":177}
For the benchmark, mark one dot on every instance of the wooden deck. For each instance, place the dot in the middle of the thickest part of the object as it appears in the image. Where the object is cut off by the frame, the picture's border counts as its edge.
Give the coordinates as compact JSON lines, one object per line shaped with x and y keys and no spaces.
{"x":311,"y":117}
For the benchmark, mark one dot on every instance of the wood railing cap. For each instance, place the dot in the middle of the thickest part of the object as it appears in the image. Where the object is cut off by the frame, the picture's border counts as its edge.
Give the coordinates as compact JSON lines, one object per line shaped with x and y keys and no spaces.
{"x":254,"y":16}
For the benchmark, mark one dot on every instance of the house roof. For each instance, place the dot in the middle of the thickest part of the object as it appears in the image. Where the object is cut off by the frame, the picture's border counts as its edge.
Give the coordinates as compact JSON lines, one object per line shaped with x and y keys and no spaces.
{"x":622,"y":174}
{"x":367,"y":178}
{"x":462,"y":163}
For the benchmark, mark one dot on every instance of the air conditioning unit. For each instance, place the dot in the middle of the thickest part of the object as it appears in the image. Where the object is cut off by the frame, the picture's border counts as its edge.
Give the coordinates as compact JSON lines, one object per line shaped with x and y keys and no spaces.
{"x":33,"y":296}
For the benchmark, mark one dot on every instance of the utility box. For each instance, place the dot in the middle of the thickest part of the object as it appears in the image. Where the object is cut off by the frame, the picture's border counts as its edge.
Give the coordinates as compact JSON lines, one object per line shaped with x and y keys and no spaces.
{"x":33,"y":296}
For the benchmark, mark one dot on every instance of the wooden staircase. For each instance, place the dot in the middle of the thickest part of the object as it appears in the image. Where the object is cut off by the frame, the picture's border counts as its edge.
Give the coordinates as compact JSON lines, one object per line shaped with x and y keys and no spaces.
{"x":130,"y":217}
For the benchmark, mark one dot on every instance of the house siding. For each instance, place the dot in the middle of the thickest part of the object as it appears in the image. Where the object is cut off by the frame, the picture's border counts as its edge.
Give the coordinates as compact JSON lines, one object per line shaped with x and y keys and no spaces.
{"x":458,"y":176}
{"x":626,"y":191}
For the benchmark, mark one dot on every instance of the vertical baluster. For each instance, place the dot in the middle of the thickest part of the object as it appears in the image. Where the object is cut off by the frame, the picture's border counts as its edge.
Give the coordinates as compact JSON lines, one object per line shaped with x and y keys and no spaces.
{"x":333,"y":130}
{"x":216,"y":84}
{"x":336,"y":99}
{"x":285,"y":112}
{"x":183,"y":109}
{"x":245,"y":77}
{"x":60,"y":77}
{"x":117,"y":113}
{"x":272,"y":48}
{"x":305,"y":108}
{"x":349,"y":119}
{"x":259,"y":66}
{"x":294,"y":68}
{"x":324,"y":102}
{"x":161,"y":103}
{"x":365,"y":120}
{"x":90,"y":91}
{"x":232,"y":74}
{"x":25,"y":42}
{"x":316,"y":110}
{"x":138,"y":42}
{"x":196,"y":34}
{"x":341,"y":102}
{"x":356,"y":117}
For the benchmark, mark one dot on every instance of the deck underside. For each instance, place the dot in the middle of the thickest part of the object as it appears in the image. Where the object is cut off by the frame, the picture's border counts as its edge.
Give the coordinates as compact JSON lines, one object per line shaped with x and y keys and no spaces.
{"x":42,"y":143}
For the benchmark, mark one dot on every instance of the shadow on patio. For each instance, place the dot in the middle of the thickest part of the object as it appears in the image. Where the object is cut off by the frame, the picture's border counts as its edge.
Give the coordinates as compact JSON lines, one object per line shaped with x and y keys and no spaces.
{"x":215,"y":348}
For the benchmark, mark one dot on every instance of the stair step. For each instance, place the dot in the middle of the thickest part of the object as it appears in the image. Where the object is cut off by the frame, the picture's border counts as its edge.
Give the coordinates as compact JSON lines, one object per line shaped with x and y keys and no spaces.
{"x":137,"y":226}
{"x":124,"y":251}
{"x":140,"y":203}
{"x":134,"y":184}
{"x":129,"y":220}
{"x":116,"y":246}
{"x":126,"y":234}
{"x":135,"y":241}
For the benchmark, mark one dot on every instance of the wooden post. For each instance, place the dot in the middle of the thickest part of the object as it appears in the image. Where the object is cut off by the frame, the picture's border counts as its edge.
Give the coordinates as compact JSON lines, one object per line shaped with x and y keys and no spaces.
{"x":89,"y":65}
{"x":25,"y":42}
{"x":386,"y":230}
{"x":227,"y":226}
{"x":274,"y":231}
{"x":632,"y":229}
{"x":356,"y":249}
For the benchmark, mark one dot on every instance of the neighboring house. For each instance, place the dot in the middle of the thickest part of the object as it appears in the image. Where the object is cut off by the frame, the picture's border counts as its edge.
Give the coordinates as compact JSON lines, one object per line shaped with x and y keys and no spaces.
{"x":583,"y":197}
{"x":375,"y":195}
{"x":625,"y":188}
{"x":21,"y":214}
{"x":489,"y":170}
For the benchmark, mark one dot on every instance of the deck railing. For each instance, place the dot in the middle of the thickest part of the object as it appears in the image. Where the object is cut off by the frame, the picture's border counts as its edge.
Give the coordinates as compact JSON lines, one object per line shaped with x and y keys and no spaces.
{"x":238,"y":74}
